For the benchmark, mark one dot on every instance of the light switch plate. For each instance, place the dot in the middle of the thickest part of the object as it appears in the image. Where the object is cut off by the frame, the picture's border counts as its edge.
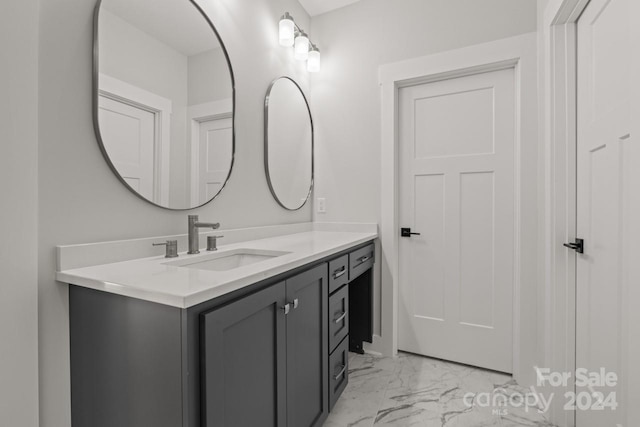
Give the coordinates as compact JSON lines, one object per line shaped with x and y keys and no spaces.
{"x":322,"y":205}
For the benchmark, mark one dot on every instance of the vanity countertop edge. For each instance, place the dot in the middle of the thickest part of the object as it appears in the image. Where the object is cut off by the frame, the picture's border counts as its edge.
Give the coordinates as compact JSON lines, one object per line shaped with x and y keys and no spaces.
{"x":151,"y":279}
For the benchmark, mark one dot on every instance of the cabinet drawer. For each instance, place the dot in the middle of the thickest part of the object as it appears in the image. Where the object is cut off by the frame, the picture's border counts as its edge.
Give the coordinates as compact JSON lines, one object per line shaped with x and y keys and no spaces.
{"x":338,"y":317}
{"x":338,"y":372}
{"x":360,"y":261}
{"x":338,"y":273}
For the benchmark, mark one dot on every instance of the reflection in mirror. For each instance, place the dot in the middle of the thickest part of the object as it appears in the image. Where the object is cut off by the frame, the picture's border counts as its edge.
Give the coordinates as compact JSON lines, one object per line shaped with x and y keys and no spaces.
{"x":288,"y":144}
{"x":164,"y":100}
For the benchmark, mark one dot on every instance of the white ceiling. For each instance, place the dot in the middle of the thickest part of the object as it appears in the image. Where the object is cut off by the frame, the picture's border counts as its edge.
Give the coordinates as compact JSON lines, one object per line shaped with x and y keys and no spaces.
{"x":317,"y":7}
{"x":175,"y":23}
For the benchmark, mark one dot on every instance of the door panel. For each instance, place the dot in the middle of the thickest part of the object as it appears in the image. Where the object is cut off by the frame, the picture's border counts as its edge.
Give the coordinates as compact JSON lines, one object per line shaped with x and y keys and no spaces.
{"x":244,"y":363}
{"x":308,"y":348}
{"x":128,"y":134}
{"x":457,"y":174}
{"x":603,"y":130}
{"x":438,"y":134}
{"x":429,"y":299}
{"x":477,"y":293}
{"x":215,"y":156}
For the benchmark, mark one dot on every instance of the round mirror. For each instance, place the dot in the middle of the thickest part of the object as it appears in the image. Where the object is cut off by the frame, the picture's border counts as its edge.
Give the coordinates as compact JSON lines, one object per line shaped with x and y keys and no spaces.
{"x":288,"y":144}
{"x":163,"y":100}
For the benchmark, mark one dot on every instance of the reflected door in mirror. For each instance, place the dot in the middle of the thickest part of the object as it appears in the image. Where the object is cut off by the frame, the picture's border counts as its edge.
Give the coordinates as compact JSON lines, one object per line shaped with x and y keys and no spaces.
{"x":129,"y":134}
{"x":215,"y":156}
{"x":164,"y":100}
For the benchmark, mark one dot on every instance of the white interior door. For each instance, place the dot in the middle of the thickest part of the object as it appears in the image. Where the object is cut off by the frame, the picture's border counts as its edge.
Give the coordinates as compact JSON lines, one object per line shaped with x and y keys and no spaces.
{"x":457,"y":189}
{"x":603,"y":165}
{"x":128,"y":134}
{"x":214,"y":156}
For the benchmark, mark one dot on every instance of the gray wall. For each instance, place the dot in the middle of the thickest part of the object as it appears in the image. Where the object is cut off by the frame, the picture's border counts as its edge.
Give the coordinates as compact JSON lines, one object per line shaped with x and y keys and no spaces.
{"x":80,"y":200}
{"x":135,"y":57}
{"x":208,"y":77}
{"x":18,"y":213}
{"x":354,"y":42}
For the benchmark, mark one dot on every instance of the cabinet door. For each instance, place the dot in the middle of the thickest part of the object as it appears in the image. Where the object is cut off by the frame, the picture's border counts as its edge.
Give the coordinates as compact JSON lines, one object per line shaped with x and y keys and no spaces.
{"x":307,"y":348}
{"x":244,"y":362}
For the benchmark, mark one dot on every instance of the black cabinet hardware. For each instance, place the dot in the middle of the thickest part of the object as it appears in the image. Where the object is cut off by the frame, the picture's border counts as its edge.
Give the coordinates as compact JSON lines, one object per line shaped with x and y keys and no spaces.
{"x":578,"y":246}
{"x":406,"y":232}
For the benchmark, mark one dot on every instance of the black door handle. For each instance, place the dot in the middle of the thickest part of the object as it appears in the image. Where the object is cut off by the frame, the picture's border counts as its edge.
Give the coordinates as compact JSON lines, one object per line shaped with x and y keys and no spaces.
{"x":406,"y":232}
{"x":578,"y":246}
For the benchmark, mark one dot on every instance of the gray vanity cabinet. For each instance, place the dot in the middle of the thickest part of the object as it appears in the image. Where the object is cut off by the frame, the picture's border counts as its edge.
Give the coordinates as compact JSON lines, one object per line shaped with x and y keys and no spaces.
{"x":243,"y":359}
{"x":271,"y":354}
{"x":265,"y":356}
{"x":125,"y":361}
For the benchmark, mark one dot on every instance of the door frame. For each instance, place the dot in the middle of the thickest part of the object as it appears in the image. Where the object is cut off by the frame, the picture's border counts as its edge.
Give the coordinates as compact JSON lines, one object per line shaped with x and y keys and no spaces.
{"x":519,"y":53}
{"x":559,"y":123}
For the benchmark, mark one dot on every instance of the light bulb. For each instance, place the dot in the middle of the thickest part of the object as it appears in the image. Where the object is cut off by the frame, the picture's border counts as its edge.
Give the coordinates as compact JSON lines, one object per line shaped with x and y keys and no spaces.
{"x":302,"y":47}
{"x":287,"y":30}
{"x":313,"y":62}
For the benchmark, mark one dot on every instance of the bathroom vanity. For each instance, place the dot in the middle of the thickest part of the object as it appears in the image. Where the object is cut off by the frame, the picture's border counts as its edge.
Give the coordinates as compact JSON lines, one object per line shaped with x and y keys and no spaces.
{"x":256,"y":334}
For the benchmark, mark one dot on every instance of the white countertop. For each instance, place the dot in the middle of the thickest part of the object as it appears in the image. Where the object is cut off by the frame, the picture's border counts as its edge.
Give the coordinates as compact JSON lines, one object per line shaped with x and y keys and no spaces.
{"x":151,"y":279}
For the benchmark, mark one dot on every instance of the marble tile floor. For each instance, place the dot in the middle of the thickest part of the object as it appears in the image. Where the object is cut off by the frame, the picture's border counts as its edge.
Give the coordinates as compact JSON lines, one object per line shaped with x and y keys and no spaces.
{"x":418,"y":391}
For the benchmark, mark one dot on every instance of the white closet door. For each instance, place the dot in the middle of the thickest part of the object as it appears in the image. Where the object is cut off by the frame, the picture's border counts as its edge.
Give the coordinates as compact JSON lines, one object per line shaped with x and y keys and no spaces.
{"x":128,"y":134}
{"x":457,"y":157}
{"x":215,"y":155}
{"x":603,"y":162}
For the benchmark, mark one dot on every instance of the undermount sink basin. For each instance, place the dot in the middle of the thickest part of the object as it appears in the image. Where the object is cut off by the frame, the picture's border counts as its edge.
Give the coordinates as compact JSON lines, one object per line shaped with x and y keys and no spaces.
{"x":227,"y":260}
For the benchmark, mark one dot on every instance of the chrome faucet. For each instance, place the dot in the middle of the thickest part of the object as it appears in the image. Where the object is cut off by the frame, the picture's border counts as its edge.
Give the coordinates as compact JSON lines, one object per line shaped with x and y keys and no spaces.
{"x":194,"y":225}
{"x":212,"y":243}
{"x":171,"y":248}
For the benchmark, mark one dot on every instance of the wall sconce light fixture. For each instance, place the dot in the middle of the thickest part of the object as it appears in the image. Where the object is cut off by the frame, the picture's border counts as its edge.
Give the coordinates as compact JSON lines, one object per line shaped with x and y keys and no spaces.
{"x":291,"y":34}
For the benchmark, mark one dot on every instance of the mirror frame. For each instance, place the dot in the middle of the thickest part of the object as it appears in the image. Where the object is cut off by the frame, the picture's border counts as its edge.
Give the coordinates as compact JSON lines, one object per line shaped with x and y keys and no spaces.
{"x":266,"y":144}
{"x":95,"y":100}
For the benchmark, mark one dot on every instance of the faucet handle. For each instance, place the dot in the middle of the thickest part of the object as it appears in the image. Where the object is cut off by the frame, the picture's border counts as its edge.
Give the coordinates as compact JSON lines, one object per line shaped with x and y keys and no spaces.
{"x":212,"y":242}
{"x":172,"y":248}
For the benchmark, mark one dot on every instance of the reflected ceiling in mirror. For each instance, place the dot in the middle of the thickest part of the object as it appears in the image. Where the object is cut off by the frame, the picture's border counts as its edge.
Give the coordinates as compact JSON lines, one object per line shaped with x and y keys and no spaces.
{"x":288,"y":144}
{"x":163,"y":100}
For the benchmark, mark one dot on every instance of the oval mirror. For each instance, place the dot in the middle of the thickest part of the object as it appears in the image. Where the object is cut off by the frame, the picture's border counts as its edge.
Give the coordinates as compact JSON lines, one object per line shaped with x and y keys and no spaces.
{"x":163,"y":100}
{"x":288,"y":144}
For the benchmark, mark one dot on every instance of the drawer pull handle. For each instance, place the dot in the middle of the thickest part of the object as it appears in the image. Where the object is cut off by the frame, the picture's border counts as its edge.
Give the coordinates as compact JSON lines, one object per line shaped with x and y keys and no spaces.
{"x":295,"y":303}
{"x":364,"y":259}
{"x":339,"y":273}
{"x":286,"y":309}
{"x":343,"y":369}
{"x":341,"y":318}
